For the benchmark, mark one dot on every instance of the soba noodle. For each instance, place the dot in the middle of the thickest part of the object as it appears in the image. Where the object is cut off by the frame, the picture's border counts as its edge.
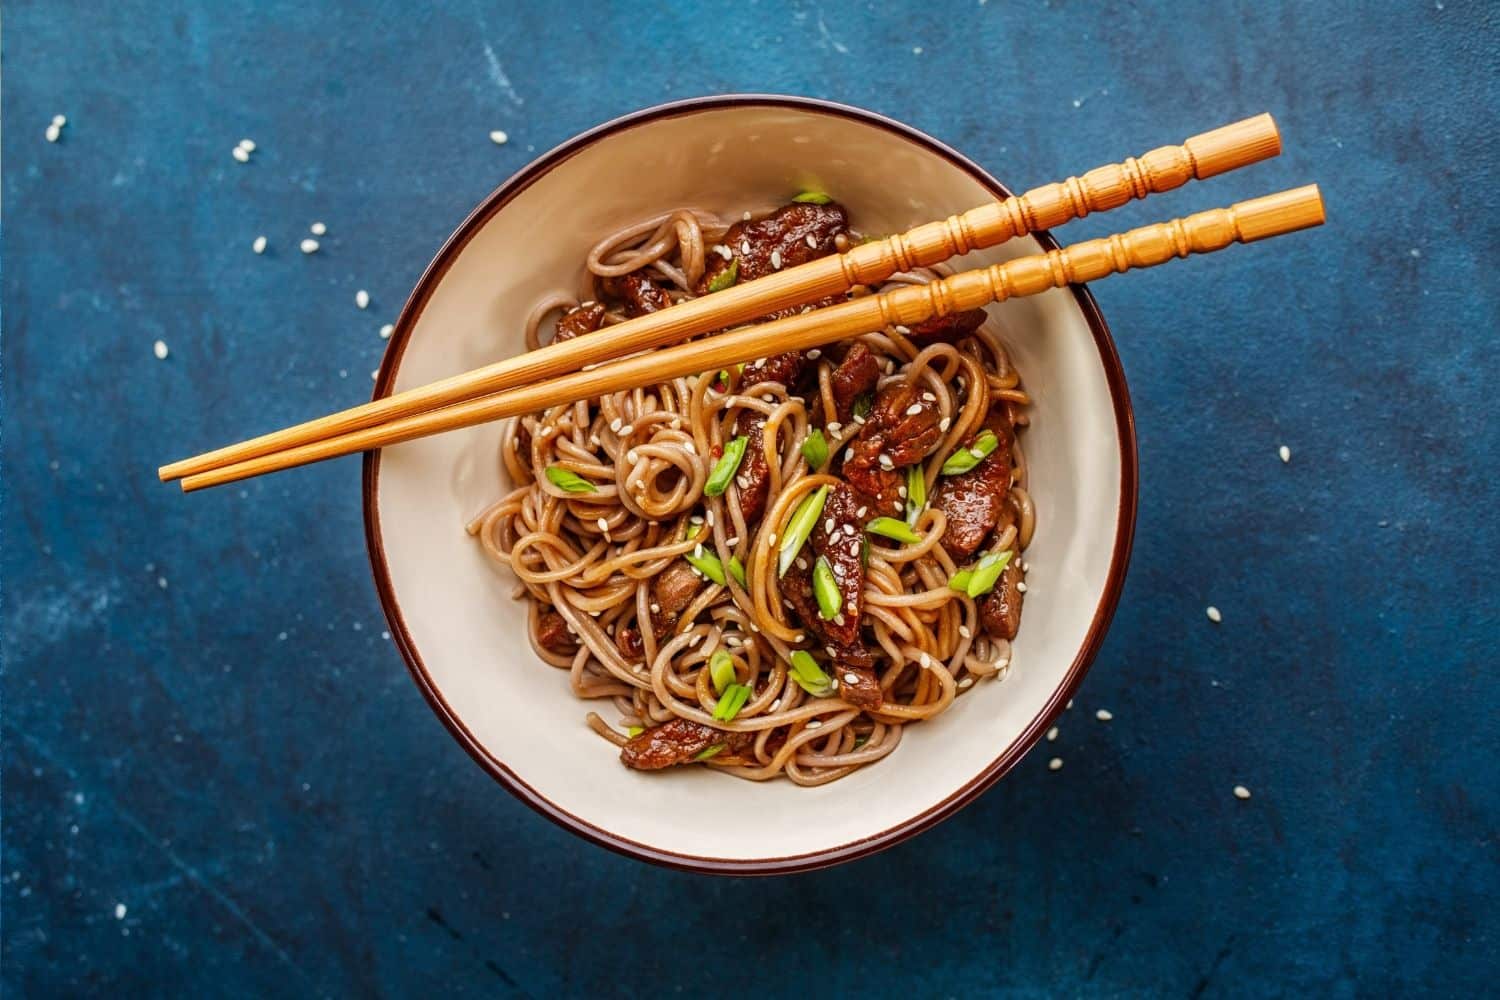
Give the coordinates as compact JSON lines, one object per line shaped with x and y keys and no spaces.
{"x":592,"y":557}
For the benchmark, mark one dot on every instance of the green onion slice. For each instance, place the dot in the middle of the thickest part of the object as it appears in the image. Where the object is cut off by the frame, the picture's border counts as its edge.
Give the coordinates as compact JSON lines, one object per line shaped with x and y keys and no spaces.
{"x":725,"y":467}
{"x":726,"y":277}
{"x":813,"y":198}
{"x":966,"y":458}
{"x":815,"y":449}
{"x":808,"y":675}
{"x":863,"y":403}
{"x":987,"y":573}
{"x":889,"y":527}
{"x":708,"y":752}
{"x":960,"y":581}
{"x":569,"y":482}
{"x":799,"y":527}
{"x":916,"y":493}
{"x":635,"y":731}
{"x":707,"y":564}
{"x":737,"y":570}
{"x":730,"y":703}
{"x":826,"y":589}
{"x":721,"y":670}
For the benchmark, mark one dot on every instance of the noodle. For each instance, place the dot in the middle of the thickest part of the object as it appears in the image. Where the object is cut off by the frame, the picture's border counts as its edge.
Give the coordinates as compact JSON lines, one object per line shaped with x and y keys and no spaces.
{"x":609,"y":500}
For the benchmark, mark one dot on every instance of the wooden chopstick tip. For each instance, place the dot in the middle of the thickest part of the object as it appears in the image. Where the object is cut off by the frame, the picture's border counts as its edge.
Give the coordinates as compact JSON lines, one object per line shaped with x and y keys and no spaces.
{"x":1282,"y":212}
{"x":1235,"y":145}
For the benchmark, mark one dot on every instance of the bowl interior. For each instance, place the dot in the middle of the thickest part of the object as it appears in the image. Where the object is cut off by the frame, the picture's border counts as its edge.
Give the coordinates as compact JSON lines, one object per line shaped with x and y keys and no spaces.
{"x":467,"y":638}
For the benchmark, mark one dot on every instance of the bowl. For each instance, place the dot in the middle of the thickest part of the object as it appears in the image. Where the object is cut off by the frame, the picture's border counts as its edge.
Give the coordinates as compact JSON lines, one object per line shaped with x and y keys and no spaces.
{"x":465,"y":640}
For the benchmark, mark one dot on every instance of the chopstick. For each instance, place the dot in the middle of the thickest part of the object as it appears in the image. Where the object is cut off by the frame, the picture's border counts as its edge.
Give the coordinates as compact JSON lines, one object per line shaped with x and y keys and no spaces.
{"x":1046,"y":207}
{"x":1203,"y":232}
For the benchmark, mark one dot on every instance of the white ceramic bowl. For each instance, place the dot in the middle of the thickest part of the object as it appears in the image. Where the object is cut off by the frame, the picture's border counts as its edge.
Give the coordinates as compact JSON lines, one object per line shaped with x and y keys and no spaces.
{"x":465,"y":640}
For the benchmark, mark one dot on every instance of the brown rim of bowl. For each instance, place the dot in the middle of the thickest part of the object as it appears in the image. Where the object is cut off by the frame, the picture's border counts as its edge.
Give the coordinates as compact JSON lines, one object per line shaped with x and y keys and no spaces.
{"x":1124,"y":526}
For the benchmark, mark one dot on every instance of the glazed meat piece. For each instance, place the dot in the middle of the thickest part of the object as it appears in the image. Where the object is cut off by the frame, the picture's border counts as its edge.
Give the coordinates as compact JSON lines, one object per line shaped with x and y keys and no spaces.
{"x":854,"y":376}
{"x":784,"y":368}
{"x":553,"y":635}
{"x":902,"y":429}
{"x":752,"y":482}
{"x":974,"y":501}
{"x":678,"y":742}
{"x":1000,"y":610}
{"x":793,"y":234}
{"x":640,"y":294}
{"x":578,"y":321}
{"x":947,"y":329}
{"x":672,"y":591}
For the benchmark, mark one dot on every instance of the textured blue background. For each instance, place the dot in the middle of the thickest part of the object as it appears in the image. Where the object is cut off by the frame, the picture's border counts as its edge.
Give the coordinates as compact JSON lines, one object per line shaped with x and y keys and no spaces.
{"x":203,"y":722}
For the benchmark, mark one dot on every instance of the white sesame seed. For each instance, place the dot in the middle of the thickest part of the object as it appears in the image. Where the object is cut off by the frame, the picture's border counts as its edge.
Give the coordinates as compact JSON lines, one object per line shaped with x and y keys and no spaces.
{"x":309,"y":246}
{"x":1052,"y":734}
{"x":627,"y":430}
{"x":1285,"y":453}
{"x":828,"y":525}
{"x":771,"y":538}
{"x":1055,"y":764}
{"x":240,"y":154}
{"x":374,"y":374}
{"x":812,"y":242}
{"x":851,"y":678}
{"x":775,"y":260}
{"x":834,"y":427}
{"x":386,"y":331}
{"x":632,"y":456}
{"x":724,"y":252}
{"x":317,"y":229}
{"x":859,"y":420}
{"x":1020,"y":588}
{"x":849,"y":529}
{"x":799,"y":637}
{"x":913,"y":409}
{"x":697,"y":549}
{"x":59,"y":120}
{"x":616,"y":424}
{"x":119,"y":911}
{"x":815,"y":724}
{"x":54,"y":132}
{"x":1241,"y":792}
{"x":945,"y":423}
{"x":966,"y":683}
{"x":838,"y":619}
{"x":802,"y":564}
{"x":656,"y":609}
{"x":362,"y":299}
{"x":248,"y":145}
{"x":924,"y":660}
{"x":744,"y":246}
{"x":963,"y":630}
{"x":499,"y":138}
{"x":604,"y":526}
{"x":160,"y":350}
{"x":1213,"y":615}
{"x":901,"y":492}
{"x":1069,"y":704}
{"x":1104,"y":715}
{"x":689,"y":447}
{"x":259,"y":246}
{"x":697,"y":638}
{"x":709,"y":517}
{"x":732,"y":540}
{"x":890,"y":365}
{"x":814,"y":355}
{"x":862,"y":511}
{"x":848,"y":454}
{"x":886,"y":463}
{"x":929,"y":397}
{"x":830,"y":651}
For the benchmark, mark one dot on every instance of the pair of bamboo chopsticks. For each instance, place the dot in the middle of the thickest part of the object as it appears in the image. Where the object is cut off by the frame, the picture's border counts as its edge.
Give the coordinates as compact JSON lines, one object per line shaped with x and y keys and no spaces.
{"x":565,"y":372}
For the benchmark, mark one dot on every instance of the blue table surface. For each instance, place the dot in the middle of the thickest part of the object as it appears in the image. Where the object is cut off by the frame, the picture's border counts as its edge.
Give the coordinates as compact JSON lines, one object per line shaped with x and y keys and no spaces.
{"x":218,"y":777}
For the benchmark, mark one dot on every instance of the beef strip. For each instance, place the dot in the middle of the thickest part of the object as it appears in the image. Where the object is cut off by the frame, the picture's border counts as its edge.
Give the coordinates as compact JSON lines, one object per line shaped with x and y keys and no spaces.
{"x":784,"y":233}
{"x":903,"y":426}
{"x":974,"y":501}
{"x":754,"y":474}
{"x":672,"y":591}
{"x":678,"y":741}
{"x":947,"y":329}
{"x":640,"y":294}
{"x":1000,"y":609}
{"x":578,"y":321}
{"x":784,"y":368}
{"x":553,"y":635}
{"x":854,"y":376}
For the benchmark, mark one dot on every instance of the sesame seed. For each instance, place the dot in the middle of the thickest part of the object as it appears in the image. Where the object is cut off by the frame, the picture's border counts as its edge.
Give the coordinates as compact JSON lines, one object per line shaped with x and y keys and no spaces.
{"x":746,"y":216}
{"x":362,"y":299}
{"x":1069,"y":704}
{"x":744,"y":246}
{"x":914,"y":409}
{"x":849,"y":529}
{"x":160,"y":350}
{"x":862,"y":511}
{"x":59,"y":120}
{"x":1213,"y":615}
{"x":259,"y":246}
{"x":812,"y":242}
{"x":1052,"y":734}
{"x":697,"y":550}
{"x":248,"y":145}
{"x":801,"y":563}
{"x":1104,"y":715}
{"x":374,"y":374}
{"x":732,"y":540}
{"x":963,"y":630}
{"x":709,"y":517}
{"x":604,"y":526}
{"x":799,"y":637}
{"x":696,"y":639}
{"x":1241,"y":792}
{"x":814,"y":355}
{"x":1055,"y":764}
{"x":838,"y":619}
{"x":859,"y":420}
{"x":119,"y":911}
{"x":775,"y":704}
{"x":627,"y":430}
{"x":317,"y":229}
{"x":771,"y":538}
{"x":309,"y":246}
{"x":830,"y":651}
{"x":834,"y":427}
{"x":848,"y":454}
{"x":1285,"y":453}
{"x":966,"y":683}
{"x":924,"y":660}
{"x":903,"y":330}
{"x":632,"y":456}
{"x":901,"y":491}
{"x":499,"y":138}
{"x":775,"y":260}
{"x":656,"y":609}
{"x":238,"y":153}
{"x":1020,"y":588}
{"x":886,"y":463}
{"x":929,"y":397}
{"x":724,"y":252}
{"x":945,"y":423}
{"x":815,"y":724}
{"x":851,"y":678}
{"x":386,"y":331}
{"x":828,"y":525}
{"x":616,"y":424}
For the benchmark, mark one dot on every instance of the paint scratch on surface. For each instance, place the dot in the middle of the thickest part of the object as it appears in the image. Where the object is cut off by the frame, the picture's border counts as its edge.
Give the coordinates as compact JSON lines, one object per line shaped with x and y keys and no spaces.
{"x":497,"y":73}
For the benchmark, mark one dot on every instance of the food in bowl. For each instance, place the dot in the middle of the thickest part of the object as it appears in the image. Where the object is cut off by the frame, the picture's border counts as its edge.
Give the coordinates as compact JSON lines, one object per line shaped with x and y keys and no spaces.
{"x":771,"y":570}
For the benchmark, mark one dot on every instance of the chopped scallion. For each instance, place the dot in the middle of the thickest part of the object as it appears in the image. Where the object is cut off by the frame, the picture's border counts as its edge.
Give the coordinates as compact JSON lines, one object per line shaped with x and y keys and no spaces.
{"x":707,"y":564}
{"x":708,"y":752}
{"x":960,"y":581}
{"x":635,"y":731}
{"x":569,"y":482}
{"x":815,"y":449}
{"x":863,"y":403}
{"x":826,"y":589}
{"x":726,"y":277}
{"x":725,"y":468}
{"x":813,"y":198}
{"x":987,"y":573}
{"x":721,"y":670}
{"x":730,"y":703}
{"x":889,"y":527}
{"x":916,"y":493}
{"x":799,"y":527}
{"x":808,"y":675}
{"x":737,"y":570}
{"x":965,"y":459}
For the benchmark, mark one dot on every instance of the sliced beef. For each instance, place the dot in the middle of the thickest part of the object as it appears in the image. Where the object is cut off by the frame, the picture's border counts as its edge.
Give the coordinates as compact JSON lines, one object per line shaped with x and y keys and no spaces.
{"x":523,"y":443}
{"x":947,"y":329}
{"x":974,"y":501}
{"x":793,"y":234}
{"x":1000,"y":610}
{"x":902,"y":428}
{"x":578,"y":321}
{"x":672,"y":591}
{"x":640,"y":294}
{"x":784,"y":368}
{"x":553,"y":635}
{"x":753,"y":479}
{"x":678,"y":742}
{"x":854,"y":376}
